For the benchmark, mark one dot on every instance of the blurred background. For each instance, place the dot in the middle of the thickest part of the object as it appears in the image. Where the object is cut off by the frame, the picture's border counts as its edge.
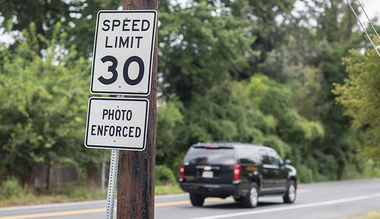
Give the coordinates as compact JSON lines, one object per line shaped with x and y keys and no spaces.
{"x":298,"y":76}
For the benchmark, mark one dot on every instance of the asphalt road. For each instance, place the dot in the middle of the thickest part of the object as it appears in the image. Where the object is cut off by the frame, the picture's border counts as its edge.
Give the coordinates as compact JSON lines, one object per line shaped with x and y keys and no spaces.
{"x":319,"y":200}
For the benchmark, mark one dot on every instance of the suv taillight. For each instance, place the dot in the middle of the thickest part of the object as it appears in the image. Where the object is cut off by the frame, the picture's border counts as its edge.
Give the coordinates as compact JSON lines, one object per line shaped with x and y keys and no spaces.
{"x":182,"y":172}
{"x":236,"y":172}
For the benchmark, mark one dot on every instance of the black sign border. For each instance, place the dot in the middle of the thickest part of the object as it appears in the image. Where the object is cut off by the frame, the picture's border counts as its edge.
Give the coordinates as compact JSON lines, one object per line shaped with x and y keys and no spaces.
{"x":151,"y":53}
{"x":117,"y":147}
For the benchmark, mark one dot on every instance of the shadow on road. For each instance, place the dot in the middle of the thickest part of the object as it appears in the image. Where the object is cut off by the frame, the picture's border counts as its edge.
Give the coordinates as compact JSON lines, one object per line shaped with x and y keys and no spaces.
{"x":235,"y":205}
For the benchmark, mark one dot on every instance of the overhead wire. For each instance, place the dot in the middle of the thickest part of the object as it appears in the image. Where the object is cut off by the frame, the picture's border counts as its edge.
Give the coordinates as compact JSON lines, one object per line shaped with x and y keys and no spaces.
{"x":369,"y":20}
{"x":364,"y":29}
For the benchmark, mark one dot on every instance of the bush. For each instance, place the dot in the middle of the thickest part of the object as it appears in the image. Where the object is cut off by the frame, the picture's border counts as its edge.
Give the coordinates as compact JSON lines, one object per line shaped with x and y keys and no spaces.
{"x":164,"y":175}
{"x":11,"y":188}
{"x":371,"y":169}
{"x":351,"y":171}
{"x":305,"y":175}
{"x":176,"y":165}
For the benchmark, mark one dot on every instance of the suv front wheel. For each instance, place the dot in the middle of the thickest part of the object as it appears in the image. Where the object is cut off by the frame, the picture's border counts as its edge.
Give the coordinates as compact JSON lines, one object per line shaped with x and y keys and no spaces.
{"x":252,"y":199}
{"x":197,"y":200}
{"x":291,"y":193}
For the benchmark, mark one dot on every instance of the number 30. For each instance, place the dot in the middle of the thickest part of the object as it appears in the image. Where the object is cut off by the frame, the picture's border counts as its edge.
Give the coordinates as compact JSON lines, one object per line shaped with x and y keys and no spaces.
{"x":127,"y":79}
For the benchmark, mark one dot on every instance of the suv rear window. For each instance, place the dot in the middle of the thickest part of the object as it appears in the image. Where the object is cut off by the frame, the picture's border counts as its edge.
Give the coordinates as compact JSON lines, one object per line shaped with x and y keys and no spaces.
{"x":221,"y":156}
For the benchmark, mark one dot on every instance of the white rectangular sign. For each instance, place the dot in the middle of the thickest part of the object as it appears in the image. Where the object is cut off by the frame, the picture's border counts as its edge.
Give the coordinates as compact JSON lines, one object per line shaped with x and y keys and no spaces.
{"x":117,"y":123}
{"x":123,"y":52}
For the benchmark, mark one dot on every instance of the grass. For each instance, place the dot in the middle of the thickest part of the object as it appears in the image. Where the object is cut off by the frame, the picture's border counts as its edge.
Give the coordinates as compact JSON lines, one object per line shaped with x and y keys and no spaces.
{"x":70,"y":194}
{"x":66,"y":194}
{"x":369,"y":215}
{"x":168,"y":189}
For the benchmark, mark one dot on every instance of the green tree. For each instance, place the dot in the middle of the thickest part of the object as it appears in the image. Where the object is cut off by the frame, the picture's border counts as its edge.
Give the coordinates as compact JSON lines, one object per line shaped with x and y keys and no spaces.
{"x":44,"y":113}
{"x":77,"y":18}
{"x":200,"y":46}
{"x":329,"y":40}
{"x":359,"y":94}
{"x":336,"y":20}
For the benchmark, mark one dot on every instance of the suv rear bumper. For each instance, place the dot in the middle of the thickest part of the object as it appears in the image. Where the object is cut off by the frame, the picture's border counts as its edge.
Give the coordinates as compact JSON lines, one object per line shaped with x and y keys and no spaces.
{"x":210,"y":190}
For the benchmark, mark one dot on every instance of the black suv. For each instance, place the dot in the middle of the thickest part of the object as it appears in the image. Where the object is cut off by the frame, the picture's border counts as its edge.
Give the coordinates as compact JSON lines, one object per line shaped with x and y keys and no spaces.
{"x":245,"y":171}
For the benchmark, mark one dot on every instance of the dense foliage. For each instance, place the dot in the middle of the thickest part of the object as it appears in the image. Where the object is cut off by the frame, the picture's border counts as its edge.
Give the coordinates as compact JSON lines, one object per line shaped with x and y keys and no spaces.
{"x":360,"y":95}
{"x":43,"y":114}
{"x":247,"y":71}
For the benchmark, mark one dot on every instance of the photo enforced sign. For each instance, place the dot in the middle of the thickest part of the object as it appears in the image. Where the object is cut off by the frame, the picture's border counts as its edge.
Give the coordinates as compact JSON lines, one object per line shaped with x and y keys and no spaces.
{"x":117,"y":123}
{"x":123,"y":52}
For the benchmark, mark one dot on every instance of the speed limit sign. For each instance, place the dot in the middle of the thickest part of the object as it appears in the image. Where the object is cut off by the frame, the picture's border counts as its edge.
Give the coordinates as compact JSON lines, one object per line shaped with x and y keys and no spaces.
{"x":123,"y":52}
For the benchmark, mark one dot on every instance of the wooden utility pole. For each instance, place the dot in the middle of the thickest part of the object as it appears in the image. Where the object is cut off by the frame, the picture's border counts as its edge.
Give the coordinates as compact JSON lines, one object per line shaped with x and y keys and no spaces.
{"x":135,"y":195}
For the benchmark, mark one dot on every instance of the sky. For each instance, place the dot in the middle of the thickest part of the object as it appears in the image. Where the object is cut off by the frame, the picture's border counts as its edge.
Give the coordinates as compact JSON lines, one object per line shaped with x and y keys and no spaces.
{"x":372,"y":7}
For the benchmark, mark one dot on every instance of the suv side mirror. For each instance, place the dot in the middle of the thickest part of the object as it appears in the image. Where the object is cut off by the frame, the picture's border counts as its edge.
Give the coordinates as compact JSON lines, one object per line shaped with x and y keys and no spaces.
{"x":287,"y":161}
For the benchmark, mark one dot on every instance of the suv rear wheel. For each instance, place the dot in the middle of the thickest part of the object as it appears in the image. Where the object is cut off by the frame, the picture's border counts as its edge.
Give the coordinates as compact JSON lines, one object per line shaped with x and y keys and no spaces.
{"x":252,"y":199}
{"x":197,"y":200}
{"x":291,"y":193}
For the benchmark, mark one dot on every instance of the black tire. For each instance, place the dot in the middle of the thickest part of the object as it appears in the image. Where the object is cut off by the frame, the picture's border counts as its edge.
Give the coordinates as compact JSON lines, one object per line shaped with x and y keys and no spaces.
{"x":252,"y":198}
{"x":197,"y":200}
{"x":291,"y":193}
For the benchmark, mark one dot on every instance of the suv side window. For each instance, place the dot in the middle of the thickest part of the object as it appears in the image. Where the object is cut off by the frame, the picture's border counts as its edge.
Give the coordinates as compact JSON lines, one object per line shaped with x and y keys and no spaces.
{"x":275,"y":158}
{"x":265,"y":159}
